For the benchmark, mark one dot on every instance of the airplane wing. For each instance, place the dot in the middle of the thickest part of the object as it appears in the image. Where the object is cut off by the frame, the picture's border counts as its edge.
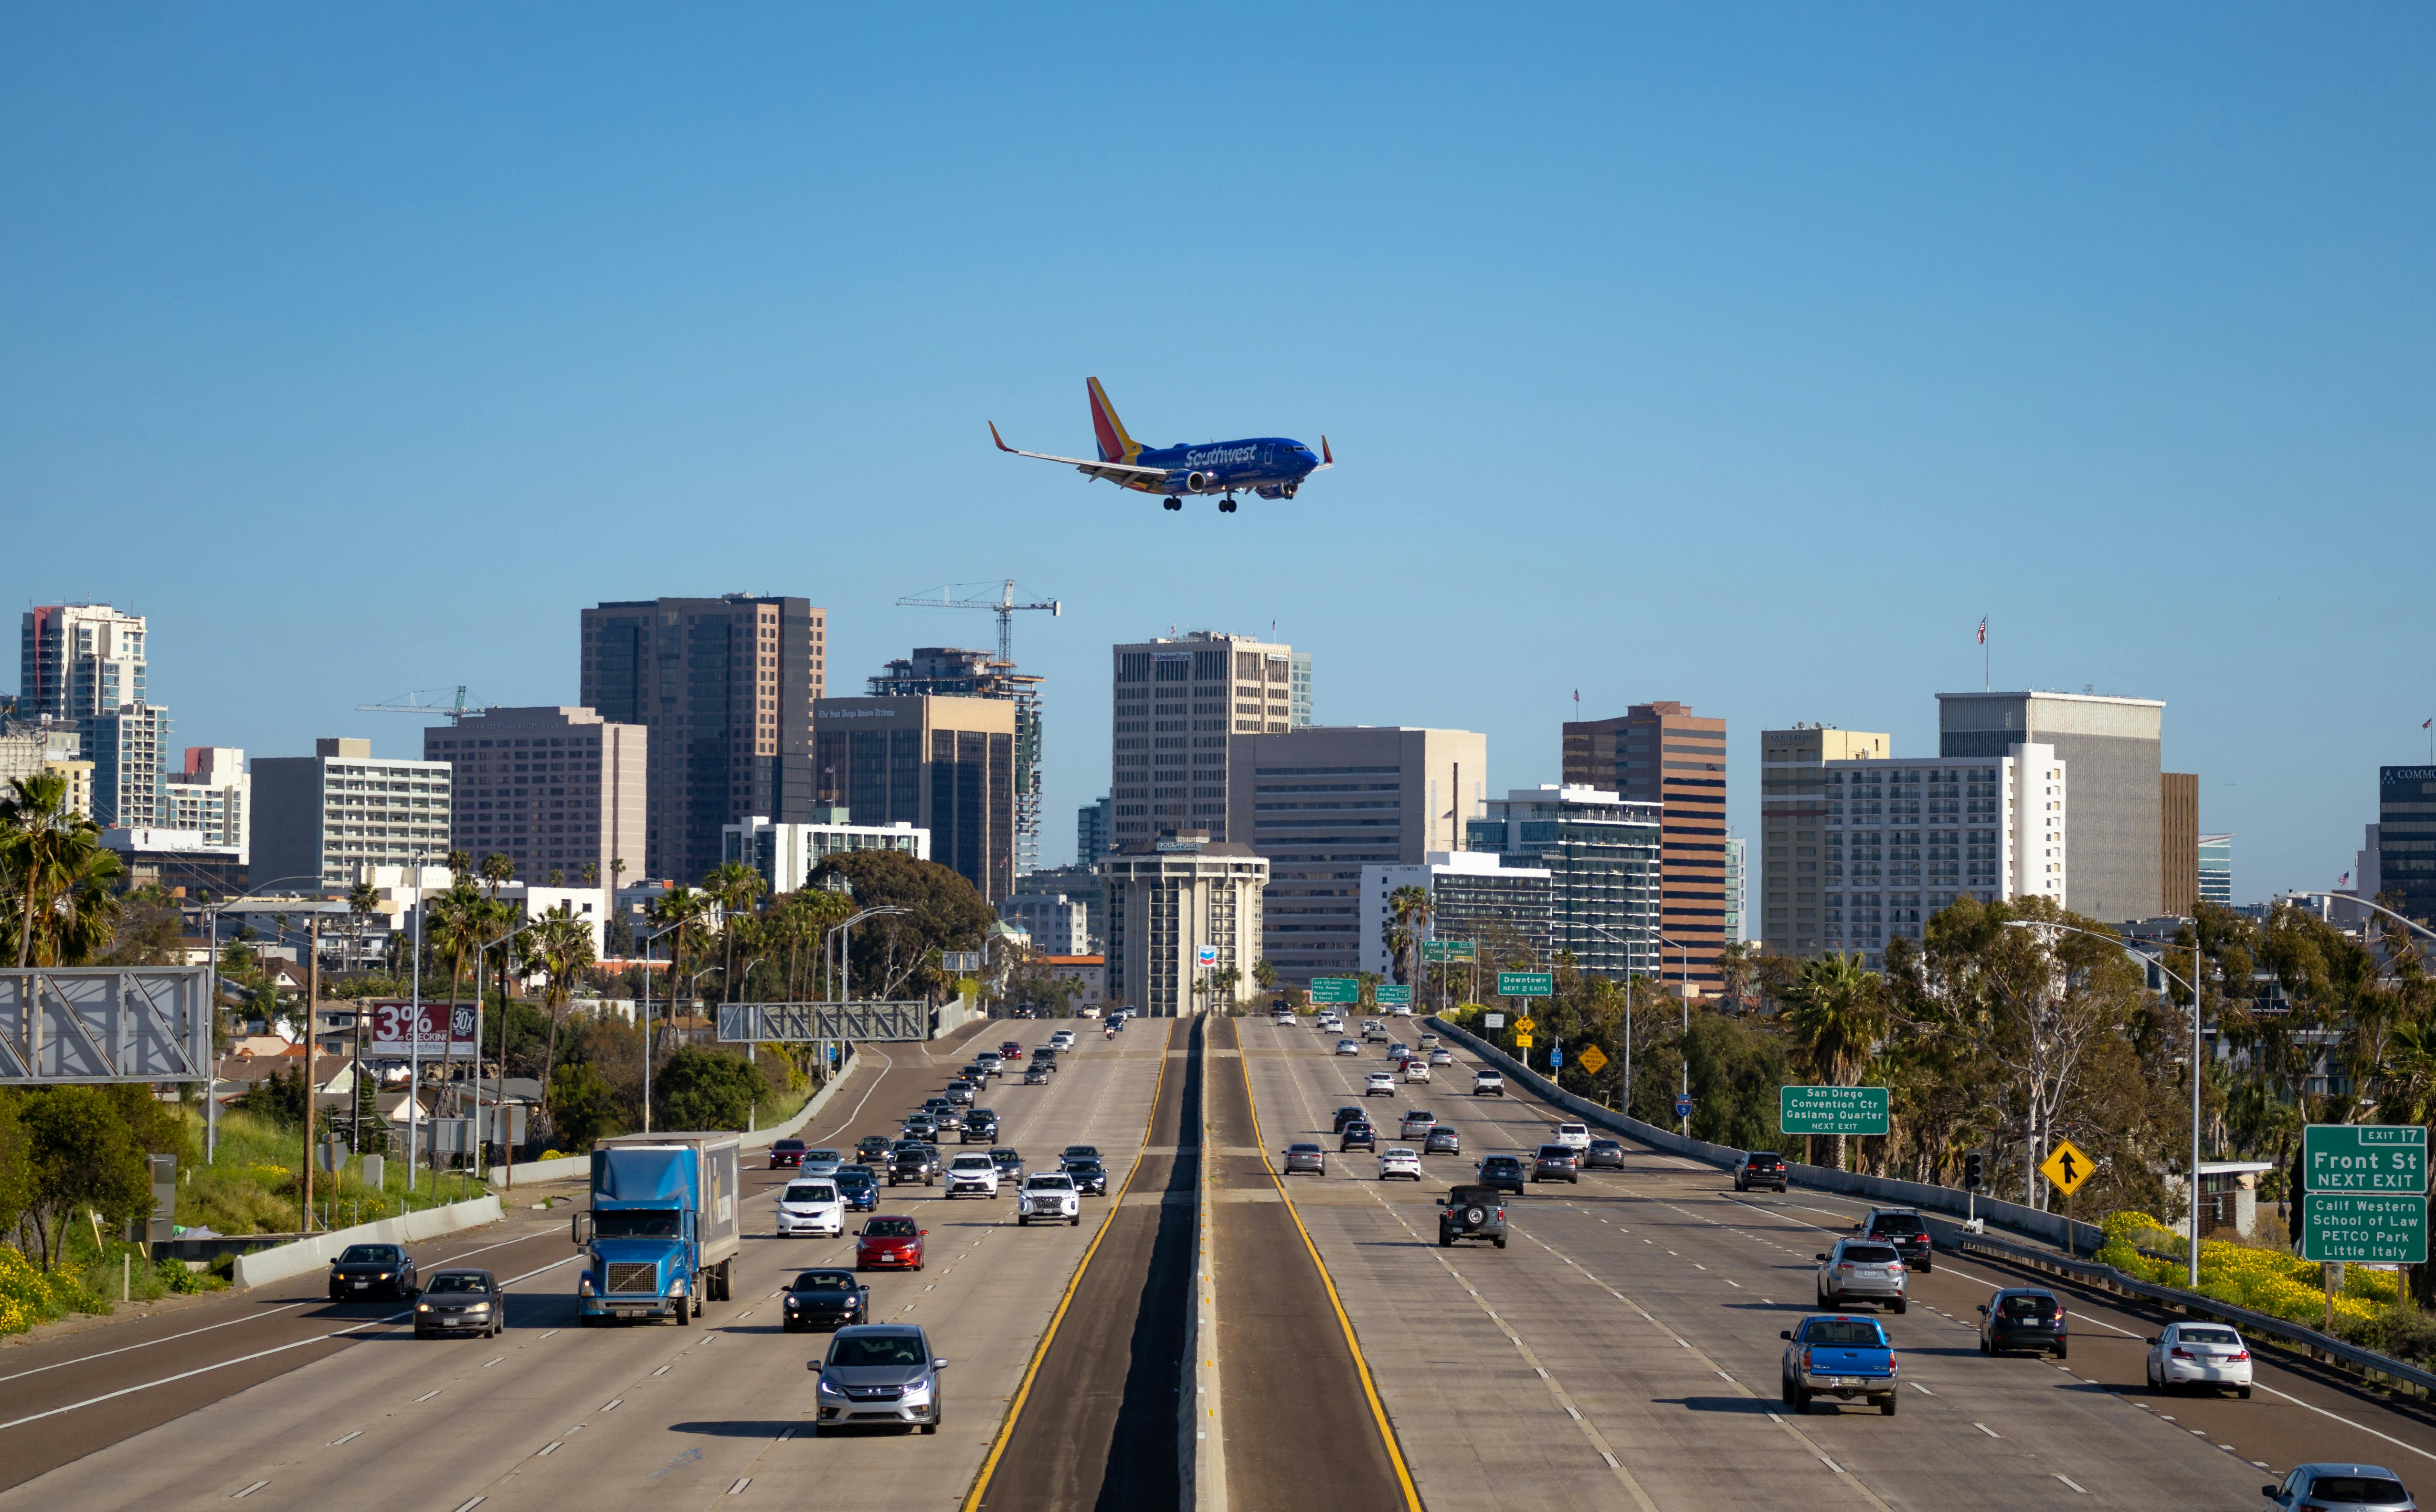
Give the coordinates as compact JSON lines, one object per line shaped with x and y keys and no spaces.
{"x":1113,"y":472}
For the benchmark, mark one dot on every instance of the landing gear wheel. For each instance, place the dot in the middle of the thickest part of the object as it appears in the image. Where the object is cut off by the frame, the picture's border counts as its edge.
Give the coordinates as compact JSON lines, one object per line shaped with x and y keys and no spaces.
{"x":1173,"y":503}
{"x":1225,"y":506}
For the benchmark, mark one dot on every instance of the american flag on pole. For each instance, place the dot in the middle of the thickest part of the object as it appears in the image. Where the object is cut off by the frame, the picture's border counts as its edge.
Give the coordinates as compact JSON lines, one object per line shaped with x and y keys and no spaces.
{"x":1983,"y":630}
{"x":2344,"y":881}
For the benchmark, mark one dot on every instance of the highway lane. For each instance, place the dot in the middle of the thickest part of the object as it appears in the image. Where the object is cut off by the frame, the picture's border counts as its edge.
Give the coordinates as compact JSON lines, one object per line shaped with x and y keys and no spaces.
{"x":1669,"y":1355}
{"x":637,"y":1415}
{"x":1098,"y":1427}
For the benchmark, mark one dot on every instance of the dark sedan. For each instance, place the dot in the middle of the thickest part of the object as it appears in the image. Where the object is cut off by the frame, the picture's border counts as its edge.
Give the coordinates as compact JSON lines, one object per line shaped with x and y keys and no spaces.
{"x":371,"y":1270}
{"x":915,"y":1163}
{"x":825,"y":1299}
{"x":2023,"y":1318}
{"x":1556,"y":1163}
{"x":1010,"y":1165}
{"x":859,"y":1187}
{"x":1044,"y":1060}
{"x":457,"y":1301}
{"x":1603,"y":1154}
{"x":1503,"y":1171}
{"x":1348,"y":1114}
{"x":1090,"y":1178}
{"x":786,"y":1152}
{"x":1358,"y":1133}
{"x":1035,"y":1075}
{"x":871,"y":1147}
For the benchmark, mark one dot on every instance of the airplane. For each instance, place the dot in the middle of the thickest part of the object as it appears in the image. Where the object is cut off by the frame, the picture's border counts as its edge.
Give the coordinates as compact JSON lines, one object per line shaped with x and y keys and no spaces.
{"x":1271,"y":466}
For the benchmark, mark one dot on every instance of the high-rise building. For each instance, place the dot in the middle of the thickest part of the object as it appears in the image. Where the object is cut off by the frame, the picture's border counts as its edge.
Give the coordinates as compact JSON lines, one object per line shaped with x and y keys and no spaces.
{"x":942,"y":764}
{"x":28,"y":746}
{"x":1661,"y":753}
{"x":1077,"y":884}
{"x":1792,"y":821}
{"x":1474,"y":896}
{"x":2215,"y":869}
{"x":726,"y":687}
{"x":211,"y":797}
{"x":1736,"y":871}
{"x":555,"y":790}
{"x":1058,"y":925}
{"x":1169,"y":901}
{"x":1299,"y":707}
{"x":1177,"y":703}
{"x":1322,"y":803}
{"x":2112,"y":747}
{"x":79,"y":660}
{"x":949,"y":673}
{"x":2177,"y":843}
{"x":1602,"y":857}
{"x":1906,"y":835}
{"x":788,"y":854}
{"x":318,"y":819}
{"x":130,"y":788}
{"x":1093,"y":837}
{"x":2406,"y":841}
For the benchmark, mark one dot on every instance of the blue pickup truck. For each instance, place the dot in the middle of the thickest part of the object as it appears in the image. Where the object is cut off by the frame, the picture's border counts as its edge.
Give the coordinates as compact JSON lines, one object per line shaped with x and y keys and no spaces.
{"x":1836,"y":1354}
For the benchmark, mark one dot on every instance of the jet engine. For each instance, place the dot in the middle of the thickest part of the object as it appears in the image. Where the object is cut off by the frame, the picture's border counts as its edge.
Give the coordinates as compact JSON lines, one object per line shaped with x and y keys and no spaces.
{"x":1201,"y":482}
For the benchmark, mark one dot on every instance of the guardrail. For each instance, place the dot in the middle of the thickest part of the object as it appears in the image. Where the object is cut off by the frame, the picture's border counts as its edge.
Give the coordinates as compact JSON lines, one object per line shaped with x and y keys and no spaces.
{"x":1942,"y":1206}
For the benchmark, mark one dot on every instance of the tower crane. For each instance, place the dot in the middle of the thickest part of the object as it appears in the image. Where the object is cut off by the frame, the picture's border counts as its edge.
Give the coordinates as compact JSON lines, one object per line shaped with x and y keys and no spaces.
{"x":1003,"y":605}
{"x":412,"y":703}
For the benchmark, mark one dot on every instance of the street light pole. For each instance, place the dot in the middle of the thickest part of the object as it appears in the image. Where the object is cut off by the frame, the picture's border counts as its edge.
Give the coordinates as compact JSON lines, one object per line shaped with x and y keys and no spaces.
{"x":647,"y":1018}
{"x":2199,"y":971}
{"x":1683,"y":953}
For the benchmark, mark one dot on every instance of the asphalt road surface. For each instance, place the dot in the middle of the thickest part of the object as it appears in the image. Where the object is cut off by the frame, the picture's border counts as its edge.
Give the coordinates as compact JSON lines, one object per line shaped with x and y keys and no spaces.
{"x":1623,"y":1349}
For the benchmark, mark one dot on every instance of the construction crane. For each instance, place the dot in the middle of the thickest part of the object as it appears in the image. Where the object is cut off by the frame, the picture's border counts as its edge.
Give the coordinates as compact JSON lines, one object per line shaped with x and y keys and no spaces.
{"x":1003,"y":606}
{"x":411,"y":704}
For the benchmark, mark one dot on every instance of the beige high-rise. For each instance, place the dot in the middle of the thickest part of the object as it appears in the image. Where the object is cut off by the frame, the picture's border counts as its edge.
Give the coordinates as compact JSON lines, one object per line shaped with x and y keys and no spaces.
{"x":1792,"y":803}
{"x":1177,"y":702}
{"x":1168,"y":903}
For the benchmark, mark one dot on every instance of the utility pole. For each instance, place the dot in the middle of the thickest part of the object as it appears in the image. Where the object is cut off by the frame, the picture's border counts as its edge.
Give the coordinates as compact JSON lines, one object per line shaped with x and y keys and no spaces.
{"x":312,"y":1012}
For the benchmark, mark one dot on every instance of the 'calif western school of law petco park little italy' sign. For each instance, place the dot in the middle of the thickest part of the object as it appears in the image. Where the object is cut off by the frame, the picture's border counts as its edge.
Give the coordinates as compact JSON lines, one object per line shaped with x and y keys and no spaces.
{"x":2365,"y":1193}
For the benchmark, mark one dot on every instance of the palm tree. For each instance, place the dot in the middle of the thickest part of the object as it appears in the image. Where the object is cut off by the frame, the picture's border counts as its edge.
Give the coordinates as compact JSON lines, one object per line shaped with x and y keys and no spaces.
{"x":561,"y":945}
{"x":1410,"y":909}
{"x":363,"y":901}
{"x":733,"y":886}
{"x":497,"y":871}
{"x":677,"y":911}
{"x":84,"y":919}
{"x":39,"y":840}
{"x":456,"y":924}
{"x":1264,"y":974}
{"x":461,"y":864}
{"x":1838,"y":1016}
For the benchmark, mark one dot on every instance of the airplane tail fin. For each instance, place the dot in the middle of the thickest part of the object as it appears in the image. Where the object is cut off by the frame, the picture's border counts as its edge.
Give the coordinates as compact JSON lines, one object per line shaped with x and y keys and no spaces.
{"x":1115,"y":445}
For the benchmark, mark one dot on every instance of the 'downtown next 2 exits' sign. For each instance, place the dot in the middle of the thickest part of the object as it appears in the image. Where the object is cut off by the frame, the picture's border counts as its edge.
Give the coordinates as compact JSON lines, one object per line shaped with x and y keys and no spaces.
{"x":1833,"y":1110}
{"x":2345,"y":1158}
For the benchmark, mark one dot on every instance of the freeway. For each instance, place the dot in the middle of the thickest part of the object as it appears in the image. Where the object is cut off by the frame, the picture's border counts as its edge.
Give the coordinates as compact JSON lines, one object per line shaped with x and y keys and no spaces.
{"x":623,"y":1416}
{"x":1624,"y":1350}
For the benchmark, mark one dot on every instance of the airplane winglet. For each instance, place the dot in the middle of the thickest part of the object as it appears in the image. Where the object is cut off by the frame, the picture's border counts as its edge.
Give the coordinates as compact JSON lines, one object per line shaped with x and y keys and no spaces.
{"x":1327,"y":458}
{"x":1002,"y":440}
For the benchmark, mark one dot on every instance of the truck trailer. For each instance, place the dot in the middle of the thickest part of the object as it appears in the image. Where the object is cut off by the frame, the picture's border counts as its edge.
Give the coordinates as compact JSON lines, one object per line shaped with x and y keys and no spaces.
{"x":662,"y":1231}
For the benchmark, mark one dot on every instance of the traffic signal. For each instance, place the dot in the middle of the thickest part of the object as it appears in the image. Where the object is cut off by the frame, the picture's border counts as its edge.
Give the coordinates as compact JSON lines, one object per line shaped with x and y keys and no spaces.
{"x":1973,"y":1171}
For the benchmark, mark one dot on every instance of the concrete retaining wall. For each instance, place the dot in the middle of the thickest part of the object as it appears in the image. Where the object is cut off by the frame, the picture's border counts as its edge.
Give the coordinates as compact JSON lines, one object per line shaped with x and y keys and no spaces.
{"x":951,"y":1017}
{"x":2052,"y":1228}
{"x":308,"y":1254}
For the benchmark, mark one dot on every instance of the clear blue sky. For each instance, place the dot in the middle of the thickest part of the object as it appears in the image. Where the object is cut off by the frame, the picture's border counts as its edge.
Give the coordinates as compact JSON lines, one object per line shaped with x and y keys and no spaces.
{"x":1741,"y":357}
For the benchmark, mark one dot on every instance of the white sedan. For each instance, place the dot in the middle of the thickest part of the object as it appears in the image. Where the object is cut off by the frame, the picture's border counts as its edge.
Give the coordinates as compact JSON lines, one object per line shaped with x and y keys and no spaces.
{"x":1048,"y":1196}
{"x":1349,"y":1046}
{"x":1398,"y":1162}
{"x":812,"y":1207}
{"x":2207,"y":1356}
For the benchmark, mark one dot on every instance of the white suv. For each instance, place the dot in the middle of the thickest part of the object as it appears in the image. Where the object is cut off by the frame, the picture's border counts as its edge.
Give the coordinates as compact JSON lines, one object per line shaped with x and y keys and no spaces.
{"x":1379,"y":1082}
{"x":1483,"y":1081}
{"x":974,"y":1173}
{"x":1575,"y":1137}
{"x":1048,"y":1196}
{"x":812,"y":1207}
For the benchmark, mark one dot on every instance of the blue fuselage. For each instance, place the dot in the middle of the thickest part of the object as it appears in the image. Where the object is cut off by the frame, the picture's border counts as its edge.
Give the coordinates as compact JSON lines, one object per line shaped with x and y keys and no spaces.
{"x":1267,"y":465}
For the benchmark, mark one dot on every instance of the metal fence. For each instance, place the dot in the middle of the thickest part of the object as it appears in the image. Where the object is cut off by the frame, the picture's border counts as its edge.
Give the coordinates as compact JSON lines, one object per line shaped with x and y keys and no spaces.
{"x":104,"y":1024}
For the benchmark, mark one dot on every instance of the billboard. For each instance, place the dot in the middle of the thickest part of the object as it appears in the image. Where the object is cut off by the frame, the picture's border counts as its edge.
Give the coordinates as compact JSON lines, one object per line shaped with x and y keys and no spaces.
{"x":388,"y":1028}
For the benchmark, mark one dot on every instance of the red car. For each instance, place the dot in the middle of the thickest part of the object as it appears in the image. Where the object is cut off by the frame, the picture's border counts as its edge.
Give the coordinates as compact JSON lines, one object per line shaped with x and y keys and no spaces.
{"x":889,"y":1243}
{"x":786,"y":1152}
{"x":1011,"y":1051}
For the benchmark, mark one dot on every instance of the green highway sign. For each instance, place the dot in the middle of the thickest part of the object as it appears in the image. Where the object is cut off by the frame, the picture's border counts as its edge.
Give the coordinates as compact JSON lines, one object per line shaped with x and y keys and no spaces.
{"x":1395,"y":995}
{"x":2387,"y":1157}
{"x":1833,"y":1110}
{"x":1447,"y":950}
{"x":2377,"y":1229}
{"x":1335,"y":989}
{"x":1526,"y":985}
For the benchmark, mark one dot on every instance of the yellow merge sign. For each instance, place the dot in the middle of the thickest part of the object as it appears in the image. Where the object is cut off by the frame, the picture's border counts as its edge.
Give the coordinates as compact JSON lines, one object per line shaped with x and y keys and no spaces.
{"x":1524,"y":1025}
{"x":2068,"y":1167}
{"x":1591,"y":1059}
{"x":1521,"y":1042}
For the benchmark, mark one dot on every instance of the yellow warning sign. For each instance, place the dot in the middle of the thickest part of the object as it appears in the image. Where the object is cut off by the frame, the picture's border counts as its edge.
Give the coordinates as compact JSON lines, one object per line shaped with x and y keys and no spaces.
{"x":1521,"y":1042}
{"x":2066,"y":1167}
{"x":1524,"y":1025}
{"x":1591,"y":1059}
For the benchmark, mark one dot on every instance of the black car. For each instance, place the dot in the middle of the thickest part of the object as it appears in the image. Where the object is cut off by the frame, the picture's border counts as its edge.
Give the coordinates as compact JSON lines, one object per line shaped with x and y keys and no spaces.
{"x":980,"y":1127}
{"x":1036,"y":1074}
{"x":1443,"y":1140}
{"x":1010,"y":1165}
{"x":859,"y":1187}
{"x":871,"y":1147}
{"x":1348,"y":1114}
{"x":1603,"y":1154}
{"x":1759,"y":1168}
{"x":1903,"y":1228}
{"x":371,"y":1270}
{"x":1079,"y":1152}
{"x":1358,"y":1132}
{"x":786,"y":1152}
{"x":825,"y":1299}
{"x":1502,"y":1173}
{"x":1473,"y":1212}
{"x":914,"y":1163}
{"x":1556,"y":1163}
{"x":460,"y":1301}
{"x":1090,"y":1178}
{"x":1044,"y":1059}
{"x":2027,"y":1318}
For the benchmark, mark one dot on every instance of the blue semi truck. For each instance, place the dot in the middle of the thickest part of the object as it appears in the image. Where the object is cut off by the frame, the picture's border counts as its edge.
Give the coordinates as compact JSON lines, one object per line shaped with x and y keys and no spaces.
{"x":663,"y":1230}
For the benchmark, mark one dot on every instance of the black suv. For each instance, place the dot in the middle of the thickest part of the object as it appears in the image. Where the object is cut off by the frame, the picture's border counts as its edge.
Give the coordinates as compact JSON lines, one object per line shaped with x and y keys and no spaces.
{"x":918,"y":1163}
{"x":1090,"y":1178}
{"x":1903,"y":1228}
{"x":2027,"y":1318}
{"x":1358,"y":1132}
{"x":1759,"y":1168}
{"x":1502,"y":1173}
{"x":1473,"y":1212}
{"x":980,"y":1127}
{"x":1349,"y":1114}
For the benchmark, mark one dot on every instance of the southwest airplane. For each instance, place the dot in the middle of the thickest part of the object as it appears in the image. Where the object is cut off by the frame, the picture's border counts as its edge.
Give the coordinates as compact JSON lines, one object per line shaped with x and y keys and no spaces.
{"x":1271,"y":466}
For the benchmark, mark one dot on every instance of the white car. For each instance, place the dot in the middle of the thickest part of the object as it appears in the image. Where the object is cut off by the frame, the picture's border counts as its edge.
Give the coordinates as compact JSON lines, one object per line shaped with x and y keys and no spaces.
{"x":976,"y":1173}
{"x":1575,"y":1137}
{"x":1349,"y":1046}
{"x":1483,"y":1082}
{"x":1379,"y":1082}
{"x":1398,"y":1161}
{"x":1063,"y":1039}
{"x":1429,"y":1042}
{"x":1417,"y":1070}
{"x":812,"y":1207}
{"x":1283,"y":1016}
{"x":1442,"y":1057}
{"x":2207,"y":1356}
{"x":1049,"y":1195}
